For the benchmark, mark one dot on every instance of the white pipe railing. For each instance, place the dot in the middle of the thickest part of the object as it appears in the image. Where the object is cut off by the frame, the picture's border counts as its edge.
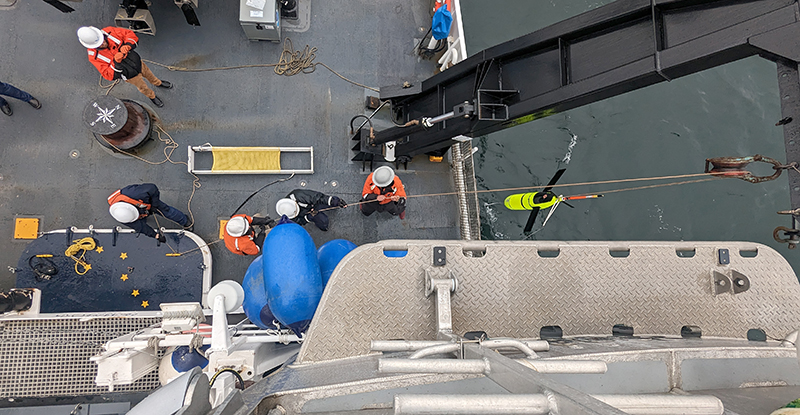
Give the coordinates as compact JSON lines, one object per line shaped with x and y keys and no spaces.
{"x":539,"y":404}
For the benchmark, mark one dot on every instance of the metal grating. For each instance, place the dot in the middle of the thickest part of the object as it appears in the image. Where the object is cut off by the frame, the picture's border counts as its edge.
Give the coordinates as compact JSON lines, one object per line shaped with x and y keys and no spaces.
{"x":463,"y":169}
{"x":50,"y":357}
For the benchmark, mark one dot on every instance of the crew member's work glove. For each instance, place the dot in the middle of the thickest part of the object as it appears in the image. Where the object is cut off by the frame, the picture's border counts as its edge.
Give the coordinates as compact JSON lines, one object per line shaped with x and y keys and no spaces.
{"x":337,"y":201}
{"x":119,"y":57}
{"x":125,"y":49}
{"x":161,"y":238}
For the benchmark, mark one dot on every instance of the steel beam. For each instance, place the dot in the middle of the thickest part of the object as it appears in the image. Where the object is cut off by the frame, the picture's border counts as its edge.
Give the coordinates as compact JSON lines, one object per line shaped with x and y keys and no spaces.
{"x":614,"y":49}
{"x":519,"y":379}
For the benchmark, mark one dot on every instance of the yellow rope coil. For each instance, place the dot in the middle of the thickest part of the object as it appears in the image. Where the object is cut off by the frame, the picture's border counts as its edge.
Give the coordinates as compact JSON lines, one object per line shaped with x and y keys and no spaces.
{"x":81,"y":246}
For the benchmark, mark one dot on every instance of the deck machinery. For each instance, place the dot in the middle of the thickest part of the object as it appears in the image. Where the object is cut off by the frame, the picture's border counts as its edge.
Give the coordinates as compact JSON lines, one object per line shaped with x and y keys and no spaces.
{"x":611,"y":50}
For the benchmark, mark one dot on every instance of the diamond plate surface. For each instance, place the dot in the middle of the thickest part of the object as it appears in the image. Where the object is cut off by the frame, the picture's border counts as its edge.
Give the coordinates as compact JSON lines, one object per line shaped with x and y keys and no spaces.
{"x":513,"y":291}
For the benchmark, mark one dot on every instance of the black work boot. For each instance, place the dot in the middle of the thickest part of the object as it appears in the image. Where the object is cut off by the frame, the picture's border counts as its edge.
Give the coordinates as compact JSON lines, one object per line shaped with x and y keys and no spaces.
{"x":165,"y":84}
{"x":35,"y":103}
{"x":6,"y":109}
{"x":157,"y":102}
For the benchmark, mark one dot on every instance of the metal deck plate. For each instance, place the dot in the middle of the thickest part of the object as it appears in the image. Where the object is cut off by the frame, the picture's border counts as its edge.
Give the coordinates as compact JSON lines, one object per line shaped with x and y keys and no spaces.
{"x":247,"y":107}
{"x":513,"y":291}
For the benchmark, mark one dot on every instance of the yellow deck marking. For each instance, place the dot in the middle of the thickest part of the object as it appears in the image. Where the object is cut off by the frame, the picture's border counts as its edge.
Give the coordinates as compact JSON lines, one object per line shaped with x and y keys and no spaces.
{"x":222,"y":224}
{"x":26,"y":228}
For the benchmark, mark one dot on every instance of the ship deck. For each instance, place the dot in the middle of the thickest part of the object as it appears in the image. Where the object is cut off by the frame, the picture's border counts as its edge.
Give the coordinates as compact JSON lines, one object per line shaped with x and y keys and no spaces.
{"x":51,"y":167}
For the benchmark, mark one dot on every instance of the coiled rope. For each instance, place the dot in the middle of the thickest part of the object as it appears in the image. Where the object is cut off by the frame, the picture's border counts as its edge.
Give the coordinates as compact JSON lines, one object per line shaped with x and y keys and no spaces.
{"x":81,"y":245}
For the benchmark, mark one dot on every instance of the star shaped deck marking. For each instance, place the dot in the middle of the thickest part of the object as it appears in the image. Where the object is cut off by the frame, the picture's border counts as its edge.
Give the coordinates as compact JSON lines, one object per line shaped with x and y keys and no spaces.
{"x":124,"y":277}
{"x":123,"y":255}
{"x":145,"y":304}
{"x":99,"y":249}
{"x":135,"y":293}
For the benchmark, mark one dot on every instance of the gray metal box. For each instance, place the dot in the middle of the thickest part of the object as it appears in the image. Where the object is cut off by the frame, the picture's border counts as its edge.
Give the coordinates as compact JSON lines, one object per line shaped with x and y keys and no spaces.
{"x":261,"y":24}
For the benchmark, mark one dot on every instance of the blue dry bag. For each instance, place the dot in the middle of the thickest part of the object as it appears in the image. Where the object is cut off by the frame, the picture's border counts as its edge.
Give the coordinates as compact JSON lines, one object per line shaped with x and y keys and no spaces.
{"x":442,"y":19}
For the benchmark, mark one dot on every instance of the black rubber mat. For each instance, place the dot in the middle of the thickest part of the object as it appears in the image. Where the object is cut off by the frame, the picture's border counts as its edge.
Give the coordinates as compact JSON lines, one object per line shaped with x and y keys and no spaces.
{"x":135,"y":274}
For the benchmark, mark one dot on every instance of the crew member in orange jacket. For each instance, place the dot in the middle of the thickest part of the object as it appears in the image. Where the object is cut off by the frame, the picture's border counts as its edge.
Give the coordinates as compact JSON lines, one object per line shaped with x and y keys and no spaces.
{"x":111,"y":52}
{"x":241,"y":238}
{"x":385,"y":188}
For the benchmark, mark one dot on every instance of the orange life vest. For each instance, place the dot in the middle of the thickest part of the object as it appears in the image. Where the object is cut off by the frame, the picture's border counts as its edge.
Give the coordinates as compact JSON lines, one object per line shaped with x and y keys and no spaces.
{"x":242,"y":245}
{"x":103,"y":59}
{"x":119,"y":197}
{"x":394,"y":189}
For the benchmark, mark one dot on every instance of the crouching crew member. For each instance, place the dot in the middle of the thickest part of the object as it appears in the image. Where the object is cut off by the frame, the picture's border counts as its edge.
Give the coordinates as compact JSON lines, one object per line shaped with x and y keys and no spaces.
{"x":132,"y":205}
{"x":304,"y":206}
{"x":385,"y":188}
{"x":241,"y":237}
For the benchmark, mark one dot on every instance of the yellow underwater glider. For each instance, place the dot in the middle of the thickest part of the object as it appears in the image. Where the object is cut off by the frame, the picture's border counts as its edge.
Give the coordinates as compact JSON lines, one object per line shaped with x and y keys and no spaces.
{"x":536,"y":201}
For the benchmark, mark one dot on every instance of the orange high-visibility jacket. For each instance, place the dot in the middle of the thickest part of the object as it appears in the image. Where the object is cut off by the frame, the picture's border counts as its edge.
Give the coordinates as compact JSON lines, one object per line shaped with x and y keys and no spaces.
{"x":242,"y":245}
{"x":103,"y":59}
{"x":395,"y":189}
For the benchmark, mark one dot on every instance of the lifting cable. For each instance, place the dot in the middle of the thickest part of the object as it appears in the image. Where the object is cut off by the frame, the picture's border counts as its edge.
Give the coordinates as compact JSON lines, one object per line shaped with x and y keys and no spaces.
{"x":715,"y":176}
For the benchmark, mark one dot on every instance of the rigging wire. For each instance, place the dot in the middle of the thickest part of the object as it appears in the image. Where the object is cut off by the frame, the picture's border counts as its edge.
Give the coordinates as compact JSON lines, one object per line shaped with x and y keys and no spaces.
{"x":291,"y":62}
{"x":195,"y":249}
{"x":227,"y":369}
{"x":169,"y":147}
{"x":257,"y":191}
{"x":715,"y":177}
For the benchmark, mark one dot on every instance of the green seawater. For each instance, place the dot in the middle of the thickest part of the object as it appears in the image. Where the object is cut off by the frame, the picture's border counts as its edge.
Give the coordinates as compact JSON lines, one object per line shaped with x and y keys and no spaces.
{"x":666,"y":129}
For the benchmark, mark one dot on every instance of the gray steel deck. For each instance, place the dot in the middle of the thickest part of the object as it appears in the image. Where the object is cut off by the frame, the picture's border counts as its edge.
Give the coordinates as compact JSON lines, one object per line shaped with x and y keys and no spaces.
{"x":515,"y":288}
{"x":369,"y":41}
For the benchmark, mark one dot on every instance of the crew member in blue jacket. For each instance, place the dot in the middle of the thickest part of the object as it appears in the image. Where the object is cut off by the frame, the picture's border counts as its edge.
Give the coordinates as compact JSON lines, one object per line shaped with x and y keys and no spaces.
{"x":132,"y":205}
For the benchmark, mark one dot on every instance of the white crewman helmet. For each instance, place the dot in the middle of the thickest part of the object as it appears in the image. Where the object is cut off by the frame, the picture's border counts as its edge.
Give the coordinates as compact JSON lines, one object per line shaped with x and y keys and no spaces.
{"x":383,"y":176}
{"x":287,"y":207}
{"x":124,"y":212}
{"x":90,"y":37}
{"x":237,"y":226}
